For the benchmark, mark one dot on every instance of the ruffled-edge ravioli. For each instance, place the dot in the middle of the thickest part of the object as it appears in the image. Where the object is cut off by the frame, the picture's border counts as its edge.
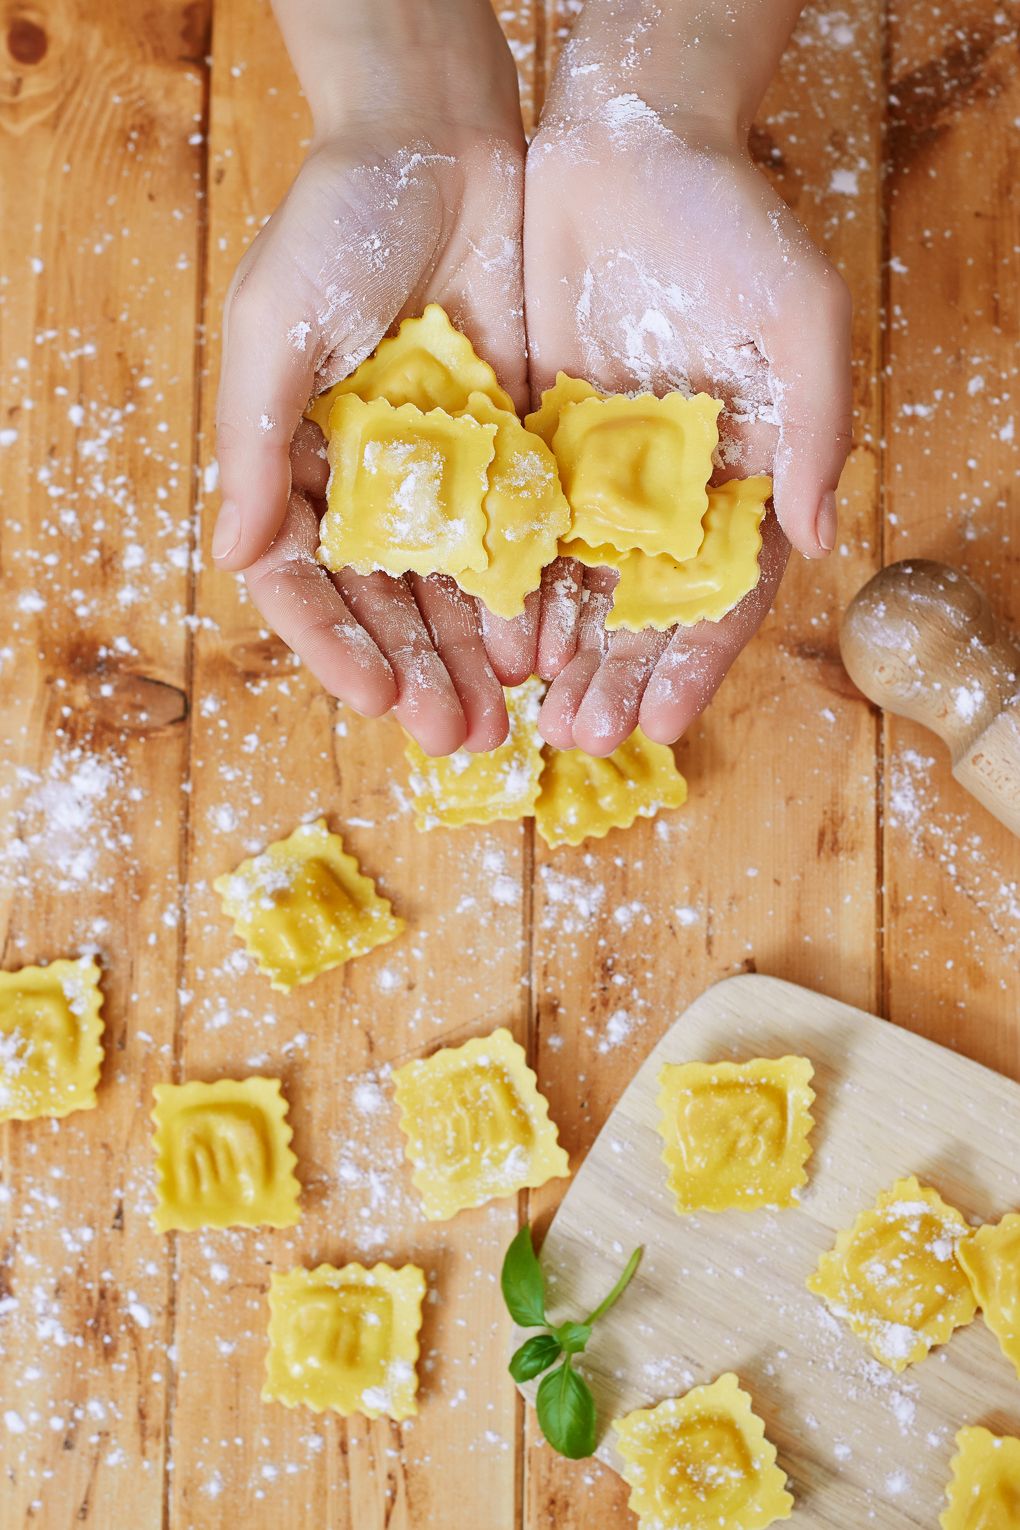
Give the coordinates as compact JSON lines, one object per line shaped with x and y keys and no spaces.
{"x":223,"y":1155}
{"x":476,"y":1125}
{"x":581,"y":797}
{"x":636,"y":470}
{"x":566,"y":390}
{"x":736,"y":1134}
{"x":659,"y":592}
{"x":991,"y":1261}
{"x":345,"y":1339}
{"x":406,"y":489}
{"x":467,"y":788}
{"x":50,"y":1039}
{"x":428,"y":363}
{"x":525,"y":509}
{"x":702,"y":1462}
{"x":984,"y":1492}
{"x":303,"y":906}
{"x":894,"y":1276}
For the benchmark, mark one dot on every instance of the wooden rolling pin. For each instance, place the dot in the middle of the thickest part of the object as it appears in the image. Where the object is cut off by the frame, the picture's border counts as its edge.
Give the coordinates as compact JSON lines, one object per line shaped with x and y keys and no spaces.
{"x":920,"y":640}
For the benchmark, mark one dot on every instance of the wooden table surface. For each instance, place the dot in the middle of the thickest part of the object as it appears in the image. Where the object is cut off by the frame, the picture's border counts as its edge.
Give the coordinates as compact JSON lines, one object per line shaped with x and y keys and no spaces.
{"x":154,"y":733}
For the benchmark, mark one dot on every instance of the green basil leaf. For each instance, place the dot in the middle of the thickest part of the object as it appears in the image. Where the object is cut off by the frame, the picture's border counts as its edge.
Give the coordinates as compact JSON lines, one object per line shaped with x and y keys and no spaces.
{"x":535,"y":1356}
{"x":523,"y":1282}
{"x":566,"y":1412}
{"x":572,"y":1337}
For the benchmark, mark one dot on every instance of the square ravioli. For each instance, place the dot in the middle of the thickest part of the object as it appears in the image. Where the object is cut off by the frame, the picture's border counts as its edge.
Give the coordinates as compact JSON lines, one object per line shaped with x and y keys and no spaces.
{"x":636,"y":470}
{"x":223,"y":1155}
{"x":427,"y":363}
{"x":894,"y":1276}
{"x":526,"y":513}
{"x":476,"y":1125}
{"x":303,"y":906}
{"x":544,"y":421}
{"x":463,"y":788}
{"x":50,"y":1039}
{"x":581,"y":797}
{"x":736,"y":1134}
{"x":659,"y":592}
{"x":991,"y":1261}
{"x":702,"y":1462}
{"x":406,"y":489}
{"x":984,"y":1492}
{"x":345,"y":1339}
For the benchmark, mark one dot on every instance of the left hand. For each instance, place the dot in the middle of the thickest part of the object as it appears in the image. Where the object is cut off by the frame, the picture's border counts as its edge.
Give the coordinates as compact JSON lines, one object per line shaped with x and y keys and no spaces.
{"x":657,"y":257}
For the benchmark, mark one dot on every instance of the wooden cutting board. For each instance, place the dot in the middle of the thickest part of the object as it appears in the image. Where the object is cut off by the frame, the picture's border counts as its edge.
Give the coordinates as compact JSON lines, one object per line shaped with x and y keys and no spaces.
{"x":862,"y":1447}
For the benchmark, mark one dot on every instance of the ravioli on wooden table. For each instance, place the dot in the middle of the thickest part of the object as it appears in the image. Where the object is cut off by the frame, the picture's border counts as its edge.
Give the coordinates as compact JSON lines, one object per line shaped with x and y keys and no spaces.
{"x":736,"y":1134}
{"x":345,"y":1339}
{"x":466,"y":787}
{"x":984,"y":1493}
{"x":50,"y":1039}
{"x":476,"y":1125}
{"x":702,"y":1462}
{"x":894,"y":1276}
{"x":303,"y":906}
{"x":991,"y":1261}
{"x":582,"y":797}
{"x":223,"y":1155}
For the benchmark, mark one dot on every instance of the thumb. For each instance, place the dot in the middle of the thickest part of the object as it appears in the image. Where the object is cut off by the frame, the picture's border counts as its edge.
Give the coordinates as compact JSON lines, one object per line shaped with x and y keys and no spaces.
{"x":266,"y":377}
{"x":808,"y":350}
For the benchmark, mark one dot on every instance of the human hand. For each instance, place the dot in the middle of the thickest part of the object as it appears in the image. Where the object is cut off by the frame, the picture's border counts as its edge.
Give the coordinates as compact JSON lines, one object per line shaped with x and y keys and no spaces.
{"x":409,"y":196}
{"x":657,"y":257}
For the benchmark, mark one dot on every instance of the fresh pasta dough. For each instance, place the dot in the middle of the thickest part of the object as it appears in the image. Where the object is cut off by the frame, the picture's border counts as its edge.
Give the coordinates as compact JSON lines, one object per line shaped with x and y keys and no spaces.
{"x":51,"y":1047}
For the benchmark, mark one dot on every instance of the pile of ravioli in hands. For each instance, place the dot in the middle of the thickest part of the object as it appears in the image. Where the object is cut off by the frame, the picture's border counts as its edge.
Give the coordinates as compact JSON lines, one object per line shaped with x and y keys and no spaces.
{"x":432,"y":472}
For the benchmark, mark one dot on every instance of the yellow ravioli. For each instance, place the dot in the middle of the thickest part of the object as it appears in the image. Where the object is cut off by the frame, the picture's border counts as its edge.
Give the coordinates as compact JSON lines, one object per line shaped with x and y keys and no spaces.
{"x":525,"y":510}
{"x":635,"y":470}
{"x":427,"y":363}
{"x":345,"y":1339}
{"x":702,"y":1462}
{"x":736,"y":1134}
{"x":476,"y":1125}
{"x":50,"y":1046}
{"x":223,"y":1156}
{"x":303,"y":907}
{"x":991,"y":1261}
{"x":582,"y":797}
{"x":659,"y":592}
{"x":566,"y":390}
{"x":894,"y":1276}
{"x":406,"y":490}
{"x":984,"y":1493}
{"x":466,"y":788}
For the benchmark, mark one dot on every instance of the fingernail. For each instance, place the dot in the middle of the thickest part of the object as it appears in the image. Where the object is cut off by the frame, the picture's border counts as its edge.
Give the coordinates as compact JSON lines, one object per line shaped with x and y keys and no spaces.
{"x":228,"y":530}
{"x":827,"y":523}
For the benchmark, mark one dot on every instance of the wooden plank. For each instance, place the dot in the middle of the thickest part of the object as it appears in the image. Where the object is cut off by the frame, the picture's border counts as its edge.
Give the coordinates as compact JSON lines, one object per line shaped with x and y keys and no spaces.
{"x":99,"y":170}
{"x":269,"y":750}
{"x":726,"y":1291}
{"x":952,"y":888}
{"x":772,"y":862}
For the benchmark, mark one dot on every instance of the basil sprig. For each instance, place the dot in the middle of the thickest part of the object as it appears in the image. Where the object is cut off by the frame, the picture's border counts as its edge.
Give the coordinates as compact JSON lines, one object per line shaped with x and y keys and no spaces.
{"x":566,"y":1408}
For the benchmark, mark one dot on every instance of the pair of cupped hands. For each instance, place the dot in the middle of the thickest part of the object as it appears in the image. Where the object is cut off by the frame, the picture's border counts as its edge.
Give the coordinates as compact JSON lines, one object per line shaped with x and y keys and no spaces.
{"x":640,"y":251}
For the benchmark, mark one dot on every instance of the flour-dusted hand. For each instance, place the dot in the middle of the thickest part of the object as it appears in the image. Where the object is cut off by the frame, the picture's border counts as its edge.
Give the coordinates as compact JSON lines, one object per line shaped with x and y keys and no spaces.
{"x":658,"y":257}
{"x":412,"y":192}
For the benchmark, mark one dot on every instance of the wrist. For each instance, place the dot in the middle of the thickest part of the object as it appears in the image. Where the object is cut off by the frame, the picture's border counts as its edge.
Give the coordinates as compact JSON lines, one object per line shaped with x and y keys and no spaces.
{"x":361,"y":64}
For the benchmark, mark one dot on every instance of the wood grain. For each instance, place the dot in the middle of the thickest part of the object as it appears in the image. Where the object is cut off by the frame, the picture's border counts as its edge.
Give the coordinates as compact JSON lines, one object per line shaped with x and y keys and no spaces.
{"x":726,"y":1291}
{"x":131,"y":1365}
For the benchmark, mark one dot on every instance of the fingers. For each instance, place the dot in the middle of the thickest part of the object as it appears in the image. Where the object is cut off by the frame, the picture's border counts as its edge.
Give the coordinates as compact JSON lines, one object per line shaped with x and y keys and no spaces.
{"x":427,"y":702}
{"x":512,"y":645}
{"x":696,"y":661}
{"x":608,"y":712}
{"x":562,"y":586}
{"x":808,"y":349}
{"x":265,"y":381}
{"x":308,"y":462}
{"x":452,"y":623}
{"x":565,"y":694}
{"x":298,"y":600}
